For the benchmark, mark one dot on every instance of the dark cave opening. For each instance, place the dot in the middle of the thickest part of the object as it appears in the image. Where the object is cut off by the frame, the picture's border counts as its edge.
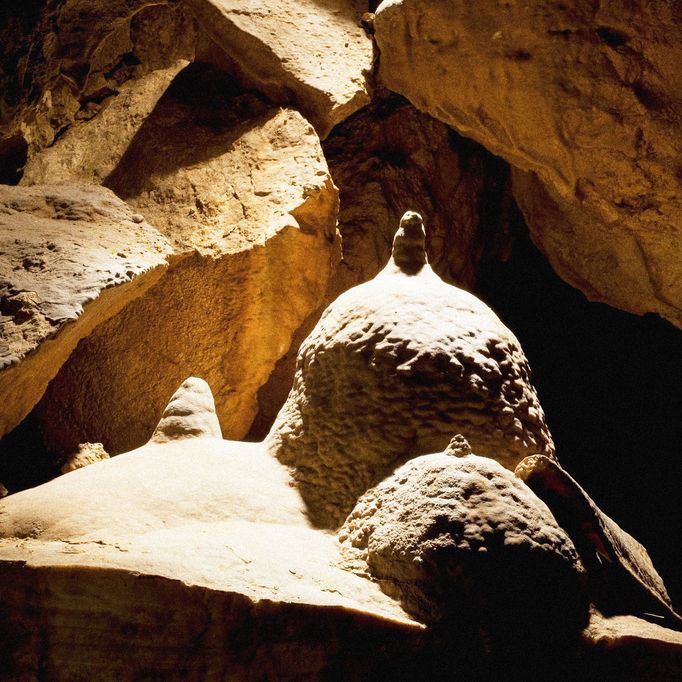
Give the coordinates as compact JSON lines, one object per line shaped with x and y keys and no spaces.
{"x":609,"y":383}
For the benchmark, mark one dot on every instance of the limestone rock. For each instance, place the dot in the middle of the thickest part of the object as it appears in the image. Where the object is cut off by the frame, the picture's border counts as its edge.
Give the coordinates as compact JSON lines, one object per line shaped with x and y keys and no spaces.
{"x":72,"y":257}
{"x":189,"y":414}
{"x":393,"y":369}
{"x":390,"y":157}
{"x":316,"y":53}
{"x":142,"y":548}
{"x":243,"y":192}
{"x":586,"y":97}
{"x":622,"y":577}
{"x":625,"y":647}
{"x":66,"y":62}
{"x":460,"y":540}
{"x":87,"y":453}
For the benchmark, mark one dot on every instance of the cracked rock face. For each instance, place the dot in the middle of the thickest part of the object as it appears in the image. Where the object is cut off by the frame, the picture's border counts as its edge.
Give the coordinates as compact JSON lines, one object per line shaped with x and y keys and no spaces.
{"x":394,"y":368}
{"x":314,"y":52}
{"x":585,"y":98}
{"x":253,"y":234}
{"x":460,"y":540}
{"x":72,"y":256}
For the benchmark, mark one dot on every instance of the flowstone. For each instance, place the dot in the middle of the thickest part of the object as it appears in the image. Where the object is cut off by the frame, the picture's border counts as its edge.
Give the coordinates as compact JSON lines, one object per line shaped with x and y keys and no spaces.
{"x":393,"y":369}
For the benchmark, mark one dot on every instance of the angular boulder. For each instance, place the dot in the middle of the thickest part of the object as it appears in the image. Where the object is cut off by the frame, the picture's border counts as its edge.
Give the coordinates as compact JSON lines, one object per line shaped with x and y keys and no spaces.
{"x":243,"y":192}
{"x":72,"y":257}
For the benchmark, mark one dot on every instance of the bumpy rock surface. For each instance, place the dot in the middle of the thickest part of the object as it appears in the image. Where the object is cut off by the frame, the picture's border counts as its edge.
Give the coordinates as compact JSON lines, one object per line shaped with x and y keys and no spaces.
{"x":72,"y":256}
{"x":460,"y":540}
{"x":314,"y":52}
{"x":622,"y":577}
{"x":66,"y":62}
{"x":585,"y":96}
{"x":243,"y":192}
{"x":393,"y":369}
{"x":87,"y":453}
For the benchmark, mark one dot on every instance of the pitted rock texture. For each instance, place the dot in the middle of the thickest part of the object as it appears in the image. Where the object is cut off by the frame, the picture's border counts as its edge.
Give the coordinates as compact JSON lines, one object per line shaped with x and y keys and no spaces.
{"x":622,"y":576}
{"x":394,"y":367}
{"x":72,"y":257}
{"x":134,"y":548}
{"x":390,"y":157}
{"x":315,"y":53}
{"x":243,"y":191}
{"x":585,"y":96}
{"x":87,"y":453}
{"x":460,"y":539}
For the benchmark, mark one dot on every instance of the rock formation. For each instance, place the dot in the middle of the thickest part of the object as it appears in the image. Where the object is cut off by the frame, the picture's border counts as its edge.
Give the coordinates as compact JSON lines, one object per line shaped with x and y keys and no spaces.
{"x":582,"y":97}
{"x":72,"y":257}
{"x":391,"y":370}
{"x":186,"y":186}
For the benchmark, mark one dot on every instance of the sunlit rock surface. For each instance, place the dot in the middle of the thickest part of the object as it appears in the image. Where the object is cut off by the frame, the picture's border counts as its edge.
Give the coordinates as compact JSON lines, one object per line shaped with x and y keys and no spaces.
{"x":584,"y":96}
{"x":72,"y":256}
{"x":243,"y":192}
{"x":393,"y":369}
{"x":315,"y":53}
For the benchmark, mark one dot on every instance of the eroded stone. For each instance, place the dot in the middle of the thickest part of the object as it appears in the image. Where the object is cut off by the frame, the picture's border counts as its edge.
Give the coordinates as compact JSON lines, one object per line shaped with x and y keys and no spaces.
{"x":393,"y":369}
{"x":72,"y":257}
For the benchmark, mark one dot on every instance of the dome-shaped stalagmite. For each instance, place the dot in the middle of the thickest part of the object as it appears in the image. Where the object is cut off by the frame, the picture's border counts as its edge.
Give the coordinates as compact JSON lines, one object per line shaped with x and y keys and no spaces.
{"x":393,"y":369}
{"x":461,"y":541}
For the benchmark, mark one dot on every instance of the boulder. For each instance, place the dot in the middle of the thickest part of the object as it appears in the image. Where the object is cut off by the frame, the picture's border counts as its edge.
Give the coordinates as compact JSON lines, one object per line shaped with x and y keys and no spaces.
{"x":391,"y":370}
{"x":585,"y":98}
{"x":319,"y":56}
{"x":87,"y":453}
{"x":463,"y":543}
{"x":243,"y":192}
{"x":73,"y":256}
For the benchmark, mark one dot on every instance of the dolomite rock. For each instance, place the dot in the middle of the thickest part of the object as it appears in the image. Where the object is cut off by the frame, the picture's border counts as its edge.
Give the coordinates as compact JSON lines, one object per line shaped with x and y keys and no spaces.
{"x":243,"y":192}
{"x":390,"y":157}
{"x":87,"y":453}
{"x":72,"y":257}
{"x":622,"y":577}
{"x":392,"y":369}
{"x":314,"y":53}
{"x":188,"y":539}
{"x":68,"y":61}
{"x":460,"y":540}
{"x":586,"y":97}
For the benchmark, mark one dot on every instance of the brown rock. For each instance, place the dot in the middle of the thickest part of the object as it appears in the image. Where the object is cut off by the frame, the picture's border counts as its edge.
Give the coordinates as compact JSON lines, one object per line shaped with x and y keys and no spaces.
{"x":393,"y":368}
{"x":389,"y":158}
{"x":315,"y":53}
{"x":586,"y":97}
{"x":459,"y":540}
{"x":87,"y":453}
{"x":72,"y":257}
{"x":77,"y":58}
{"x":625,"y":647}
{"x":141,"y":549}
{"x":244,"y":193}
{"x":622,"y":577}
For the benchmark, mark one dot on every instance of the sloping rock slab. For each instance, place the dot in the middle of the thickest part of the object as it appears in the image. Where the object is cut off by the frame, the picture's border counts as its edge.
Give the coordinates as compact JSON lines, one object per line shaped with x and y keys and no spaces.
{"x":69,"y":254}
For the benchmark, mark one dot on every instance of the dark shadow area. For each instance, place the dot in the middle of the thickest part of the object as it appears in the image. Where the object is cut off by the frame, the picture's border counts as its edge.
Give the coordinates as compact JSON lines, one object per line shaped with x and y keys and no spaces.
{"x":24,"y":460}
{"x":611,"y":387}
{"x":200,"y":116}
{"x":13,"y":153}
